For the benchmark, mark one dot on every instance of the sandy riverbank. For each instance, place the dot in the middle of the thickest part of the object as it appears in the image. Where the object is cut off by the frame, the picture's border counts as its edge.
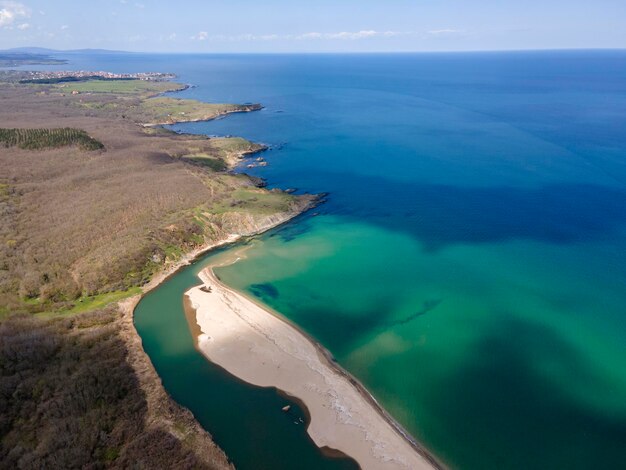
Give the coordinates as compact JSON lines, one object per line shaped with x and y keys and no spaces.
{"x":258,"y":347}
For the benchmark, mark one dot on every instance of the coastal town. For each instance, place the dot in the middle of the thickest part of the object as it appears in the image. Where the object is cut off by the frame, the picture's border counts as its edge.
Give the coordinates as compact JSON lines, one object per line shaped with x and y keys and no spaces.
{"x":48,"y":76}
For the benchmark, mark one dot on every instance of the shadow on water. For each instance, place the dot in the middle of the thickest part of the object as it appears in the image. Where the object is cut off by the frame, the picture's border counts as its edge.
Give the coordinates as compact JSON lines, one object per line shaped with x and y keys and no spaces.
{"x":355,"y":329}
{"x":427,"y":306}
{"x":293,"y":231}
{"x":516,"y":413}
{"x":264,"y":290}
{"x":322,"y":323}
{"x":441,"y":215}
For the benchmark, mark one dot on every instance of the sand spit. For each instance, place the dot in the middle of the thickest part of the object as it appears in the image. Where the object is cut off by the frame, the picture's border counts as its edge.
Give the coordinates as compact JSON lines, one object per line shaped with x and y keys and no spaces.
{"x":257,"y":346}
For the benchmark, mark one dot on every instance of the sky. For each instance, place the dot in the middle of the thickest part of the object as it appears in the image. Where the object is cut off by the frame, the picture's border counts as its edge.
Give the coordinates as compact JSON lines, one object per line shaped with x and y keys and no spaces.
{"x":314,"y":26}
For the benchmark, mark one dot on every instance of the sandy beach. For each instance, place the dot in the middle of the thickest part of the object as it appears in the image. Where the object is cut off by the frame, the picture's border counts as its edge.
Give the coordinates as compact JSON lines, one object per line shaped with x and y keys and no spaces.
{"x":260,"y":348}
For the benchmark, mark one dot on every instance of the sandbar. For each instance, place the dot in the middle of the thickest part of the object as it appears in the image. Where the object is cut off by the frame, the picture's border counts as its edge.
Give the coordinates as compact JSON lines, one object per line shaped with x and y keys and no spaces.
{"x":261,"y":348}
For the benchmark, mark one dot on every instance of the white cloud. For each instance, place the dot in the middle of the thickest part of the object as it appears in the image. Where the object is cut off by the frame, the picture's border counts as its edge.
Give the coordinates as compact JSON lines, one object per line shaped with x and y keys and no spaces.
{"x":445,"y":32}
{"x":12,"y":11}
{"x":364,"y":34}
{"x":64,"y":27}
{"x":310,"y":36}
{"x":343,"y":35}
{"x":268,"y":37}
{"x":354,"y":35}
{"x":243,"y":37}
{"x":23,"y":26}
{"x":201,"y":36}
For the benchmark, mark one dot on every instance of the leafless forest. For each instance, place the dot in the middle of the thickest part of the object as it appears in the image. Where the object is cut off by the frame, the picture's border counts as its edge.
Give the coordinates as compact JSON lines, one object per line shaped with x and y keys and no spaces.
{"x":70,"y":399}
{"x":77,"y":223}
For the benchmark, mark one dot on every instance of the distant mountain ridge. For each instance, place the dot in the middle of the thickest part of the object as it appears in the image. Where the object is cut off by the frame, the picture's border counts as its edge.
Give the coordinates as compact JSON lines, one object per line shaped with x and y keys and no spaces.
{"x":43,"y":50}
{"x":24,"y":56}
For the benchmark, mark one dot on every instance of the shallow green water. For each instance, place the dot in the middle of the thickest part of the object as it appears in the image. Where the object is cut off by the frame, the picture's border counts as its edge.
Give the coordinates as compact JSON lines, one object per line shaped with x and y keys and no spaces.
{"x":468,"y":346}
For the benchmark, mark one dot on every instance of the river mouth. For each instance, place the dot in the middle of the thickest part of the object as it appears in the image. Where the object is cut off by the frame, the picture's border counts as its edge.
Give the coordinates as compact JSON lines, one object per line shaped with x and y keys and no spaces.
{"x":247,"y":422}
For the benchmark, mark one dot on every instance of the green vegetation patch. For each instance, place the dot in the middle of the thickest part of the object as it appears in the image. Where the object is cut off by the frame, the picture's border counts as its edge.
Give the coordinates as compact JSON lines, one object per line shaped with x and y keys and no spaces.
{"x":95,"y":302}
{"x":86,"y":303}
{"x":170,"y":110}
{"x":219,"y":153}
{"x":254,"y":201}
{"x":158,"y":130}
{"x":5,"y":192}
{"x":227,"y":146}
{"x":209,"y":161}
{"x":125,"y":86}
{"x":39,"y":139}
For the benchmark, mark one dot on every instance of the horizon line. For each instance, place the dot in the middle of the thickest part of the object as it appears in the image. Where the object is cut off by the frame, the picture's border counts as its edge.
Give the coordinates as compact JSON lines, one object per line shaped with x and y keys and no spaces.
{"x":452,"y":51}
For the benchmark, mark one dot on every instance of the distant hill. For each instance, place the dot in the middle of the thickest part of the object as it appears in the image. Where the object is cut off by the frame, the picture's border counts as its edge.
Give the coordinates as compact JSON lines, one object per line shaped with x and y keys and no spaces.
{"x":43,"y":50}
{"x":28,"y":50}
{"x":19,"y":56}
{"x":15,"y":58}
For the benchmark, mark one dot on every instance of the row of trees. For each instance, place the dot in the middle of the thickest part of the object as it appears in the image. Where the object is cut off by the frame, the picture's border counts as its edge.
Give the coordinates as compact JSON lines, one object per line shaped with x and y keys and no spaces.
{"x":38,"y":139}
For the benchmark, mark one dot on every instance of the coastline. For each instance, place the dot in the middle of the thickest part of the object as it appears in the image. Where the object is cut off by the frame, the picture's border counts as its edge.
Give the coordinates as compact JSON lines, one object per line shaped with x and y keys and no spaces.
{"x":193,"y":255}
{"x":344,"y":417}
{"x":371,"y":452}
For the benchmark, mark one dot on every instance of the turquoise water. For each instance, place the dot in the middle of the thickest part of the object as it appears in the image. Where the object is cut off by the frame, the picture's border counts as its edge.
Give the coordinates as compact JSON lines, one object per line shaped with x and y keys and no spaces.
{"x":470,"y":263}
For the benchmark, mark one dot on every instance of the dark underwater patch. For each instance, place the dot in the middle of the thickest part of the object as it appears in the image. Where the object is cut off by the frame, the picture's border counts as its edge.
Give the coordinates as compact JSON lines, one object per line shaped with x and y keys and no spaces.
{"x":264,"y":290}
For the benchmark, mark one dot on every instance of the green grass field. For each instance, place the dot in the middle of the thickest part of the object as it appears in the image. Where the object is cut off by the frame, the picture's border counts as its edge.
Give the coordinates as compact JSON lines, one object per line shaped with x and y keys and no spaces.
{"x":210,"y":161}
{"x":165,"y":109}
{"x":254,"y":201}
{"x":90,"y":303}
{"x":233,"y":145}
{"x":225,"y":152}
{"x":120,"y":86}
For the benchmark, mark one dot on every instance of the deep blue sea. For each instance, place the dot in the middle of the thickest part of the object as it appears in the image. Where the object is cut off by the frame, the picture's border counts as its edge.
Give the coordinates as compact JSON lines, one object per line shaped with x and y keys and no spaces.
{"x":469,"y":265}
